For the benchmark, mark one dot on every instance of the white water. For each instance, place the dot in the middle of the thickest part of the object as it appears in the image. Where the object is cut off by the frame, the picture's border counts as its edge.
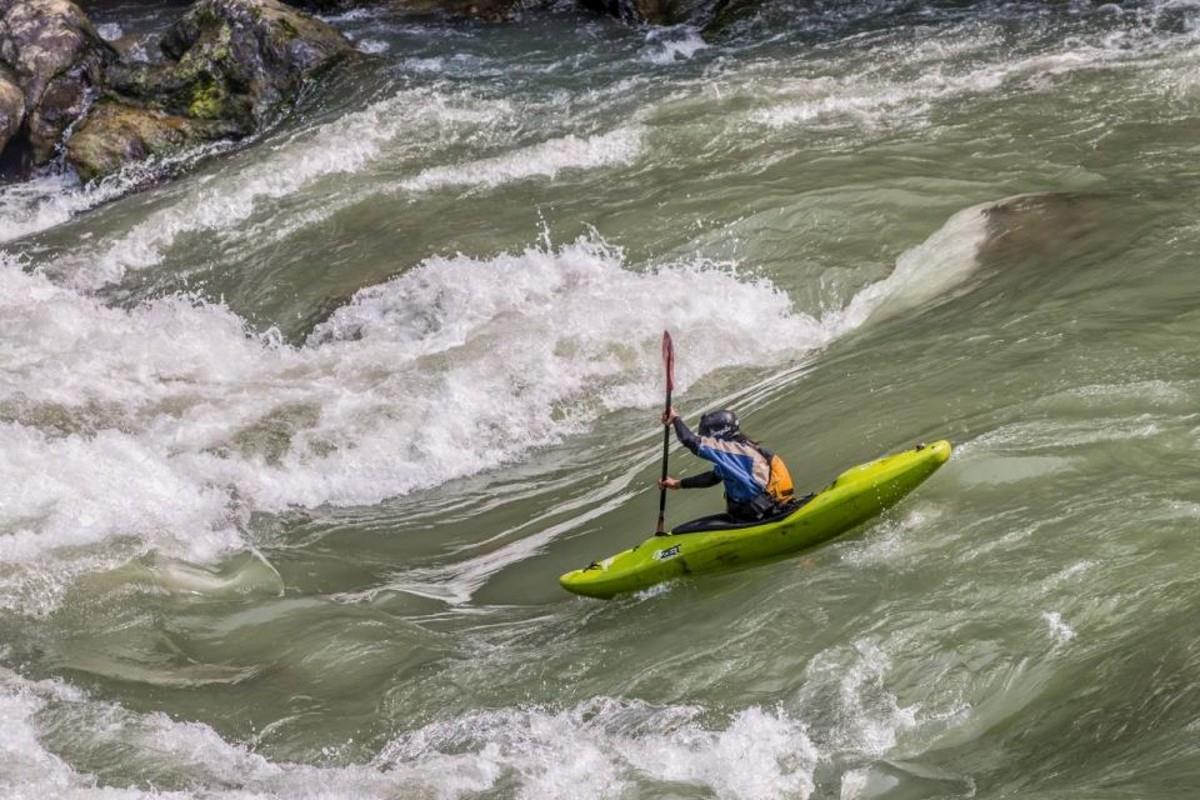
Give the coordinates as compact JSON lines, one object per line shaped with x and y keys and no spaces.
{"x":136,"y":443}
{"x":598,"y":748}
{"x":184,"y":421}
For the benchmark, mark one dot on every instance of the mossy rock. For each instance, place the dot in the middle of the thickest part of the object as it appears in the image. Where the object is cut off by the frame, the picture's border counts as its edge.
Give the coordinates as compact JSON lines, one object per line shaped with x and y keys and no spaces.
{"x":209,"y":100}
{"x":116,"y":133}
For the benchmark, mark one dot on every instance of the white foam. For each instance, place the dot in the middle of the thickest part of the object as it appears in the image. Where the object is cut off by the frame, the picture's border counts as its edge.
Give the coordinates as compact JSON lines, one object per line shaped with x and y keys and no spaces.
{"x":110,"y":31}
{"x":600,"y":748}
{"x":929,"y":272}
{"x":168,"y":423}
{"x":881,"y":99}
{"x":43,"y":202}
{"x":54,"y":496}
{"x":372,"y":46}
{"x":345,"y":145}
{"x":1060,"y":631}
{"x":869,"y":716}
{"x":669,"y":45}
{"x":546,"y":160}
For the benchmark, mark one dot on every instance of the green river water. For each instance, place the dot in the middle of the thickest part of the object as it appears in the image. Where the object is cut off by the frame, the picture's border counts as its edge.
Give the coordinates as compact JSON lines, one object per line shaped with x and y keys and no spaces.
{"x":294,"y":446}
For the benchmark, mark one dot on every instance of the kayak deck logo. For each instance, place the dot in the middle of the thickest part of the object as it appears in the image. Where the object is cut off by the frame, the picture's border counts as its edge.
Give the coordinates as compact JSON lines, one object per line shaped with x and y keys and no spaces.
{"x":670,"y":552}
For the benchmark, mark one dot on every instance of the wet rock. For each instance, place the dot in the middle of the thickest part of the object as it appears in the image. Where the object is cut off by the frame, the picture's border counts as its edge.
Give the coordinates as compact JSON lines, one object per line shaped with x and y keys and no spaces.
{"x":12,"y":106}
{"x":652,"y":12}
{"x":57,"y":60}
{"x":230,"y":67}
{"x":1027,"y":227}
{"x":486,"y":10}
{"x":727,"y":13}
{"x":116,"y":133}
{"x":239,"y":59}
{"x":695,"y":13}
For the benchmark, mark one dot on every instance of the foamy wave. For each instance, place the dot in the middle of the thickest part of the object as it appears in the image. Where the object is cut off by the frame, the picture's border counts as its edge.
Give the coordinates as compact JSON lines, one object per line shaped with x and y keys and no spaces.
{"x":600,"y":748}
{"x":597,"y":749}
{"x":929,"y":272}
{"x":870,"y":717}
{"x":668,"y":45}
{"x":544,"y":160}
{"x":46,"y":201}
{"x":343,"y":146}
{"x":883,"y":100}
{"x":168,"y":421}
{"x":131,"y":487}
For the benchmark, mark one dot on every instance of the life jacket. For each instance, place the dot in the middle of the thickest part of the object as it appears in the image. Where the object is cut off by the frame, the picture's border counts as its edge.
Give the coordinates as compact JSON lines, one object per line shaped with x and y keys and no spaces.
{"x":779,"y":485}
{"x":748,"y":470}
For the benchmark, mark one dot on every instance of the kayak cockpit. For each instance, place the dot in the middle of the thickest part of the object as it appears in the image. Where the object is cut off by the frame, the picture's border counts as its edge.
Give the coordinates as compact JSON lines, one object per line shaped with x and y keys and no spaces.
{"x":724,"y":522}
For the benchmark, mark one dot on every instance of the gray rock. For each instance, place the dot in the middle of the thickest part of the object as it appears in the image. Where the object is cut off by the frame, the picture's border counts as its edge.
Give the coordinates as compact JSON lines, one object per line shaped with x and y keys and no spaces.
{"x":241,"y":59}
{"x":12,"y":106}
{"x":230,"y":67}
{"x":58,"y":60}
{"x":486,"y":10}
{"x":116,"y":133}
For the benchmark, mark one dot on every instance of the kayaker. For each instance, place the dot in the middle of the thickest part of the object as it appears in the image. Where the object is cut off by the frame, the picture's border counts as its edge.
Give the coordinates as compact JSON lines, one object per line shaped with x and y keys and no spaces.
{"x":757,"y":483}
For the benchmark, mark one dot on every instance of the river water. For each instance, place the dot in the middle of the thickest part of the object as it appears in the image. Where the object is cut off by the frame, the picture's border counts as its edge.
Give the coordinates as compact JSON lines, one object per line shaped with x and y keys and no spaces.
{"x":294,"y":446}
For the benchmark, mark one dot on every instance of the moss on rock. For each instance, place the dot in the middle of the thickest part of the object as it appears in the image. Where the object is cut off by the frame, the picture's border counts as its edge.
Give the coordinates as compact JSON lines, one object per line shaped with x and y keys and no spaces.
{"x":231,"y":65}
{"x":207,"y":100}
{"x":116,"y":133}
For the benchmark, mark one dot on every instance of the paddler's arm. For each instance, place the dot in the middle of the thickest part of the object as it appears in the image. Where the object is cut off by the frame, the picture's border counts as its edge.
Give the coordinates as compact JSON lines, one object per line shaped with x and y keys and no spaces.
{"x":701,"y":481}
{"x":682,"y":432}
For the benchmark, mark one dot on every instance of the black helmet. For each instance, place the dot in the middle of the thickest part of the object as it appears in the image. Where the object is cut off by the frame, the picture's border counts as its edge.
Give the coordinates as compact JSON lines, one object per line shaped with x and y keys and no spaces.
{"x":721,"y":424}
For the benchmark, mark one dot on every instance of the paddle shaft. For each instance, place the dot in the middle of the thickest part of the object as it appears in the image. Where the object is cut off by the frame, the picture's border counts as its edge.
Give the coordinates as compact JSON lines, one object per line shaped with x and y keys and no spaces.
{"x":668,"y":354}
{"x":662,"y":492}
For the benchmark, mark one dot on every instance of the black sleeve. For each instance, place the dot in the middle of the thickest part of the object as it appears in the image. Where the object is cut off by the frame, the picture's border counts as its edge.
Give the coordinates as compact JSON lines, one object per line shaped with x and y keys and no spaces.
{"x":701,"y":481}
{"x":685,"y":436}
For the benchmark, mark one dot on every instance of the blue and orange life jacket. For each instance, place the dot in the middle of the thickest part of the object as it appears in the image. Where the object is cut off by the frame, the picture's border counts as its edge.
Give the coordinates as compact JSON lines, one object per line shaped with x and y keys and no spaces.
{"x":746,"y":469}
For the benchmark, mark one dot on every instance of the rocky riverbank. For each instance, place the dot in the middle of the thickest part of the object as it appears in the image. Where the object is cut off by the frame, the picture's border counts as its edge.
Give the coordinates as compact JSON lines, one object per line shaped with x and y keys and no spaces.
{"x":222,"y":71}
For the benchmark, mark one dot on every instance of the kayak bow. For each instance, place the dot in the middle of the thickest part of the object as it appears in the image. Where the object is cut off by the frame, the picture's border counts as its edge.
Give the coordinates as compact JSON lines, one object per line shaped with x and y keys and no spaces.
{"x":855,"y":496}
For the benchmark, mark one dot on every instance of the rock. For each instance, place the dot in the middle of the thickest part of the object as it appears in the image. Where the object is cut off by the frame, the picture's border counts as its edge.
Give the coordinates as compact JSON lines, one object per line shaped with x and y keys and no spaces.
{"x":231,"y":65}
{"x":12,"y":106}
{"x":240,"y":59}
{"x":58,"y":60}
{"x":1029,"y":228}
{"x":652,"y":12}
{"x":486,"y":10}
{"x":116,"y":133}
{"x":696,"y":13}
{"x":726,"y":14}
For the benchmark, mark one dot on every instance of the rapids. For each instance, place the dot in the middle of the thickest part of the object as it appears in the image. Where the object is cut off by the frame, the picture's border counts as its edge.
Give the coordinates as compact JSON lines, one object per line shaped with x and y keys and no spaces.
{"x":296,"y":436}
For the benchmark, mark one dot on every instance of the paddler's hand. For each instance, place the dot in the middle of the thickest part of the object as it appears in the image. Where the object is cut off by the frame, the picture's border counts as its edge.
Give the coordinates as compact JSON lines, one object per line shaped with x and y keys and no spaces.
{"x":669,"y":416}
{"x":669,"y":483}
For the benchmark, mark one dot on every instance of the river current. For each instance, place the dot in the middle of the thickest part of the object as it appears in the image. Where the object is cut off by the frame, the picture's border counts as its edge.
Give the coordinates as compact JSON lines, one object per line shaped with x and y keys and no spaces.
{"x":294,"y":444}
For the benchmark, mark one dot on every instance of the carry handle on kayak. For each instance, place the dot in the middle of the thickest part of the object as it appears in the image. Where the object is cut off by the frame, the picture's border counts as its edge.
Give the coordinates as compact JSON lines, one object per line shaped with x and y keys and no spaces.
{"x":668,"y":354}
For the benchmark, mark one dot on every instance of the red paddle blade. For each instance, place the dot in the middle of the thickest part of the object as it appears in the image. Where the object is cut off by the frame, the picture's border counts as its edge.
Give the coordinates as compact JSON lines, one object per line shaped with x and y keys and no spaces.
{"x":668,"y":353}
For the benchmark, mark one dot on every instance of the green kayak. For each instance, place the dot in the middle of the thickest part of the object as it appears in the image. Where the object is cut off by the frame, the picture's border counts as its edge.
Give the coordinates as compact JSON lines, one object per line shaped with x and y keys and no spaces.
{"x":713,"y":543}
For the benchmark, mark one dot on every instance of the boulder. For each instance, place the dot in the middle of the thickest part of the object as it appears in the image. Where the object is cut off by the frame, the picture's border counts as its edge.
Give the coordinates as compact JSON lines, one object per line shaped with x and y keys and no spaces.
{"x":486,"y":10}
{"x":58,"y":61}
{"x":12,"y":106}
{"x":230,"y":67}
{"x":651,"y":12}
{"x":241,"y":59}
{"x":726,"y":14}
{"x":116,"y":133}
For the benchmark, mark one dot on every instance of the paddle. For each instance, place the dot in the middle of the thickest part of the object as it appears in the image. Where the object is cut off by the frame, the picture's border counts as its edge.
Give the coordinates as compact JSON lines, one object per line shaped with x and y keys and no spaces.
{"x":668,"y":354}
